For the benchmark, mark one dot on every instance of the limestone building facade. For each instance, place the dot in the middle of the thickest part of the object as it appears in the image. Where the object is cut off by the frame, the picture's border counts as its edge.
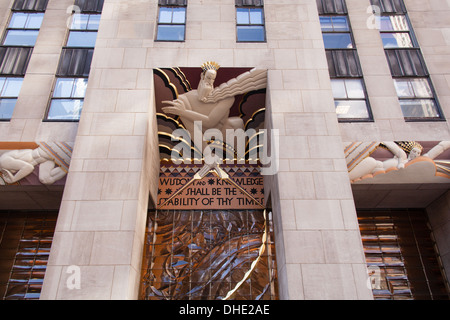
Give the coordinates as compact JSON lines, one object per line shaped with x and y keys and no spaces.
{"x":82,"y":83}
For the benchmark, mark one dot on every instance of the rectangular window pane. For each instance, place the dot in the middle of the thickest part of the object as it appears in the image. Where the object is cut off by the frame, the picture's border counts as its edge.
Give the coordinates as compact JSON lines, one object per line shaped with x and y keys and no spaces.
{"x":165,"y":15}
{"x":79,"y":22}
{"x":351,"y":109}
{"x":256,"y":16}
{"x":242,"y":16}
{"x":423,"y":108}
{"x":338,"y":88}
{"x":34,"y":20}
{"x":7,"y":108}
{"x":12,"y":87}
{"x":340,"y":24}
{"x":421,"y":88}
{"x":326,"y":24}
{"x":65,"y":109}
{"x":21,"y":38}
{"x":393,"y":23}
{"x":337,"y":41}
{"x":250,"y":33}
{"x":355,"y":89}
{"x":79,"y":88}
{"x":403,"y":88}
{"x":94,"y":21}
{"x":18,"y":20}
{"x":396,"y":40}
{"x":82,"y":39}
{"x":63,"y":88}
{"x":170,"y":32}
{"x":179,"y":15}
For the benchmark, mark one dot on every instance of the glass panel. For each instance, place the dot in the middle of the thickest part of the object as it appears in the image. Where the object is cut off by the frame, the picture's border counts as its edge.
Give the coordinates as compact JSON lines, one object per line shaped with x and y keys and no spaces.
{"x":21,"y":38}
{"x":351,"y":109}
{"x":63,"y":88}
{"x":250,"y":33}
{"x":170,"y":32}
{"x":165,"y":15}
{"x":34,"y":20}
{"x":325,"y":24}
{"x":242,"y":16}
{"x":79,"y":88}
{"x":340,"y":24}
{"x":2,"y":82}
{"x":354,"y":89}
{"x":256,"y":16}
{"x":421,"y":88}
{"x":18,"y":20}
{"x":65,"y":109}
{"x":12,"y":87}
{"x":337,"y":41}
{"x":79,"y":22}
{"x":393,"y":23}
{"x":338,"y":88}
{"x":396,"y":40}
{"x":82,"y":39}
{"x":179,"y":15}
{"x":403,"y":88}
{"x":94,"y":21}
{"x":217,"y":253}
{"x":7,"y":108}
{"x":423,"y":108}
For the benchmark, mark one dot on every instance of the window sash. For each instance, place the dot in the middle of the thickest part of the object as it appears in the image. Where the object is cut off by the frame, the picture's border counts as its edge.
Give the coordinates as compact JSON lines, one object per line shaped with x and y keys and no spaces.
{"x":7,"y":106}
{"x":419,"y":109}
{"x":170,"y":29}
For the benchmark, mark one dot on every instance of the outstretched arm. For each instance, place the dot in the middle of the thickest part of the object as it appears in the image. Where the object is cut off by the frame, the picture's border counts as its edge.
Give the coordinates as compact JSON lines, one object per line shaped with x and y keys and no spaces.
{"x":398,"y":152}
{"x":218,"y":113}
{"x":438,"y":149}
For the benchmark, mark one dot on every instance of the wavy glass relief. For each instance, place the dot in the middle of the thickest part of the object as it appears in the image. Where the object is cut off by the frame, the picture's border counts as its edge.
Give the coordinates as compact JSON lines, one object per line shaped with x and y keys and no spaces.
{"x":209,"y":255}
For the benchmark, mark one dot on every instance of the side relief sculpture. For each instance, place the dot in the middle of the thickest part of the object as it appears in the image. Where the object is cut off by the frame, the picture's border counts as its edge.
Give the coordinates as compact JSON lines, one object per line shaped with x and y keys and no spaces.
{"x":361,"y":164}
{"x":52,"y":158}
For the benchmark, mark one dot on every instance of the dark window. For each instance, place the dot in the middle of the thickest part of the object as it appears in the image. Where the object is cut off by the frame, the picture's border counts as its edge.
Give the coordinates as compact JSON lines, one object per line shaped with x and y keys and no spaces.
{"x":331,"y":6}
{"x":250,"y":24}
{"x":406,"y":63}
{"x":171,"y":24}
{"x":9,"y":91}
{"x":75,"y":62}
{"x":90,"y":6}
{"x":389,"y":6}
{"x":343,"y":63}
{"x":30,"y":5}
{"x":14,"y":60}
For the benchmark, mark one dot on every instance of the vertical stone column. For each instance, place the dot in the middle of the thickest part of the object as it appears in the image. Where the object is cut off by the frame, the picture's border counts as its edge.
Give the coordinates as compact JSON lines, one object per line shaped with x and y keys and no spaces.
{"x":318,"y":245}
{"x":97,"y":246}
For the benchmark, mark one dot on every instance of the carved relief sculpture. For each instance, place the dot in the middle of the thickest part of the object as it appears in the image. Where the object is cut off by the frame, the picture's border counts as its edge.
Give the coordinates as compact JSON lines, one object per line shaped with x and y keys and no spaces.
{"x":211,"y":106}
{"x":405,"y":155}
{"x":52,"y":159}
